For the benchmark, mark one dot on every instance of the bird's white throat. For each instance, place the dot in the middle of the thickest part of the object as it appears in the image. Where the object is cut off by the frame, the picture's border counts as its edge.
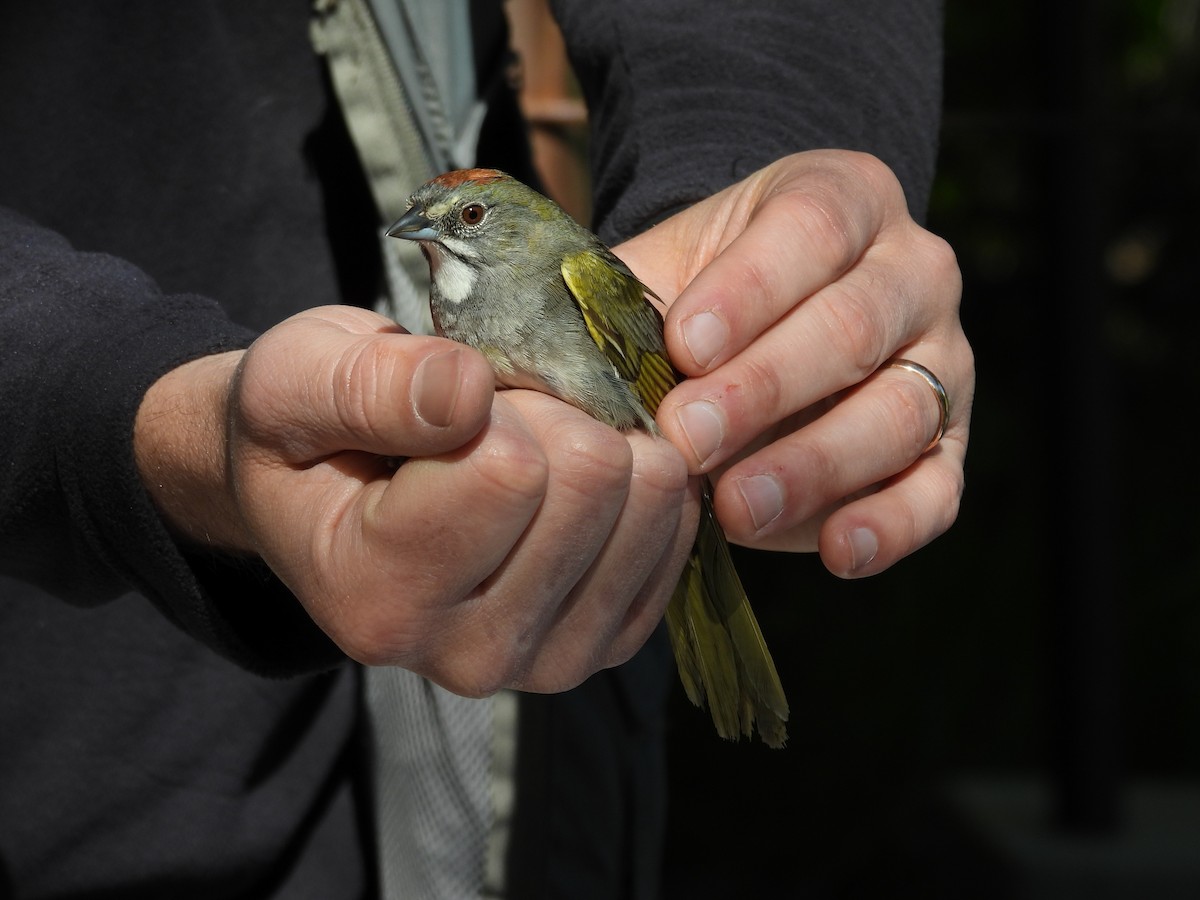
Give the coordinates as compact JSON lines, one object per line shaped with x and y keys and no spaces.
{"x":454,"y":277}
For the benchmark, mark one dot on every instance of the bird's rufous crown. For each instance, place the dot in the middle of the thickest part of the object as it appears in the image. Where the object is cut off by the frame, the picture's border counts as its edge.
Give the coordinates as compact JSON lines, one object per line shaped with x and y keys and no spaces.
{"x":477,"y":176}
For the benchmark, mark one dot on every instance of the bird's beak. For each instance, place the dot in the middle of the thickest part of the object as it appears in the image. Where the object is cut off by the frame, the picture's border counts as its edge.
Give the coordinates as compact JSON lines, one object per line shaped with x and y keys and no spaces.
{"x":412,"y":226}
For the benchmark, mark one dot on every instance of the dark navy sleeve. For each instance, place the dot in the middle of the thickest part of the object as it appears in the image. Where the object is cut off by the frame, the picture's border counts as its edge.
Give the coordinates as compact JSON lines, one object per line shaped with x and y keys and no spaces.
{"x":82,"y":337}
{"x":688,"y":97}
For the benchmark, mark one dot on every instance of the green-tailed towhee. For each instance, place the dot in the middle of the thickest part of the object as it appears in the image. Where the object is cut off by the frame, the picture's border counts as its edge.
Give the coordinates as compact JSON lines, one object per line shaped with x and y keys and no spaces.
{"x":554,"y":310}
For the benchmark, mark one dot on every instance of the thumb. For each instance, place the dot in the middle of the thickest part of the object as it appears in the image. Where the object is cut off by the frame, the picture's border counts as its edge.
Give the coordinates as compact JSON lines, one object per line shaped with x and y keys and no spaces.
{"x":340,"y":378}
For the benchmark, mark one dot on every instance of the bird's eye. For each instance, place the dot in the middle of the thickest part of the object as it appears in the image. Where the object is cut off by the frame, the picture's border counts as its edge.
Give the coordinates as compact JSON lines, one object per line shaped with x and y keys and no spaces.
{"x":473,"y":214}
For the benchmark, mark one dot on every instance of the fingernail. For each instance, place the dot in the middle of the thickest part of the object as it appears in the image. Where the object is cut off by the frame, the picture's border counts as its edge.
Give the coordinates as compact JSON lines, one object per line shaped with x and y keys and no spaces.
{"x":435,"y":387}
{"x":705,"y":336}
{"x":703,"y":425}
{"x":863,"y":547}
{"x":764,"y":498}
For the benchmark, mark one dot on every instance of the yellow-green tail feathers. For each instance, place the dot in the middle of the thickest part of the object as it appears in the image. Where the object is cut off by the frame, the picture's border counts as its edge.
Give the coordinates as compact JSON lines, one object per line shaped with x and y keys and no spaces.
{"x":722,"y":657}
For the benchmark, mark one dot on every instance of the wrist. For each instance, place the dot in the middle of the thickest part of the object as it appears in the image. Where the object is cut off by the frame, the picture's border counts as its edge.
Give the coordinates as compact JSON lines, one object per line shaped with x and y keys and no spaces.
{"x":180,"y":447}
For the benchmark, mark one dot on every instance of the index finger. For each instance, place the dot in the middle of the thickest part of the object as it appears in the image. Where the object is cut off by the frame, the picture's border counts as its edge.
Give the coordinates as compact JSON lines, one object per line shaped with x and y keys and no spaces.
{"x":797,"y":229}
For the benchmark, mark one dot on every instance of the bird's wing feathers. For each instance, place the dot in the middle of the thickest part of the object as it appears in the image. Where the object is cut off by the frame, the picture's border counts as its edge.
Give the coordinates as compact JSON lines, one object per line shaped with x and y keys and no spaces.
{"x":621,"y":321}
{"x":722,"y":657}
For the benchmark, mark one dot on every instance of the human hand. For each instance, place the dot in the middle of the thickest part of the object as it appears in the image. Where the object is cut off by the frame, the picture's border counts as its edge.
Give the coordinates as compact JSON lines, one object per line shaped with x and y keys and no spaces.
{"x":789,"y":293}
{"x":522,"y":544}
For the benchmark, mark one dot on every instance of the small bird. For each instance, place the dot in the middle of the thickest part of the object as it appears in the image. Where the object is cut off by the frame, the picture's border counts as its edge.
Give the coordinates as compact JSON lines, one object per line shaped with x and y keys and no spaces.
{"x":553,"y":309}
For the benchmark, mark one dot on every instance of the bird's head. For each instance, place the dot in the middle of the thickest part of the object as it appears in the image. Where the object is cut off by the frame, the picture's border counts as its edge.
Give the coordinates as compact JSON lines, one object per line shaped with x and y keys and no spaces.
{"x":477,"y":216}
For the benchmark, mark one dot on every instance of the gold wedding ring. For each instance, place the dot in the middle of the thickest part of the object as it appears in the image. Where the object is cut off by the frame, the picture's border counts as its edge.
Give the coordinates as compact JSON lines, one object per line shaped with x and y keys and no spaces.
{"x":939,"y":391}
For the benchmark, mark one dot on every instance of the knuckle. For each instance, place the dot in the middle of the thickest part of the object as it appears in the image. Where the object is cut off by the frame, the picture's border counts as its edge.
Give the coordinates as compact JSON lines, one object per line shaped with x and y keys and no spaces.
{"x":849,"y":314}
{"x":758,"y":275}
{"x":553,"y":676}
{"x":947,"y":486}
{"x":814,"y":462}
{"x":502,"y":646}
{"x":930,"y":511}
{"x":827,"y":225}
{"x":357,"y":376}
{"x":512,"y":465}
{"x":874,"y":171}
{"x":258,"y":398}
{"x":622,"y":651}
{"x":639,"y":624}
{"x":762,"y":383}
{"x":661,"y":468}
{"x":465,"y":682}
{"x":942,"y":258}
{"x":492,"y":665}
{"x":847,"y":202}
{"x":912,"y":414}
{"x":481,"y":681}
{"x":367,"y":642}
{"x":865,"y":174}
{"x":595,"y":460}
{"x":941,"y":263}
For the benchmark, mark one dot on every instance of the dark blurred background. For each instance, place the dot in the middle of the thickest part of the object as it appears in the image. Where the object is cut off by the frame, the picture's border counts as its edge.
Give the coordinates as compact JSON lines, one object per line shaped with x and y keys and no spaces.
{"x":1014,"y":711}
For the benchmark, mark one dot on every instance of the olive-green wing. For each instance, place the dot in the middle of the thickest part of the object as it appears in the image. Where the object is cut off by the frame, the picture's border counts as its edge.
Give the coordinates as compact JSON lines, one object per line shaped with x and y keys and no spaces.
{"x":621,"y":321}
{"x":722,"y":657}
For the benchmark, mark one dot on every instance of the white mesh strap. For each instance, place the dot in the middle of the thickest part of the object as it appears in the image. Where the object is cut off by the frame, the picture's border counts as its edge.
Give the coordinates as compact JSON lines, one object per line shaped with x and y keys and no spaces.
{"x":388,"y":139}
{"x":442,"y":765}
{"x":443,"y":785}
{"x":429,"y":44}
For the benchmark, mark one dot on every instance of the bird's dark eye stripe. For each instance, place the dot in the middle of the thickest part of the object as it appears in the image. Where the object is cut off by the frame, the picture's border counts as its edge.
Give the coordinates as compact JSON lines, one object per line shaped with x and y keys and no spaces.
{"x":473,"y":214}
